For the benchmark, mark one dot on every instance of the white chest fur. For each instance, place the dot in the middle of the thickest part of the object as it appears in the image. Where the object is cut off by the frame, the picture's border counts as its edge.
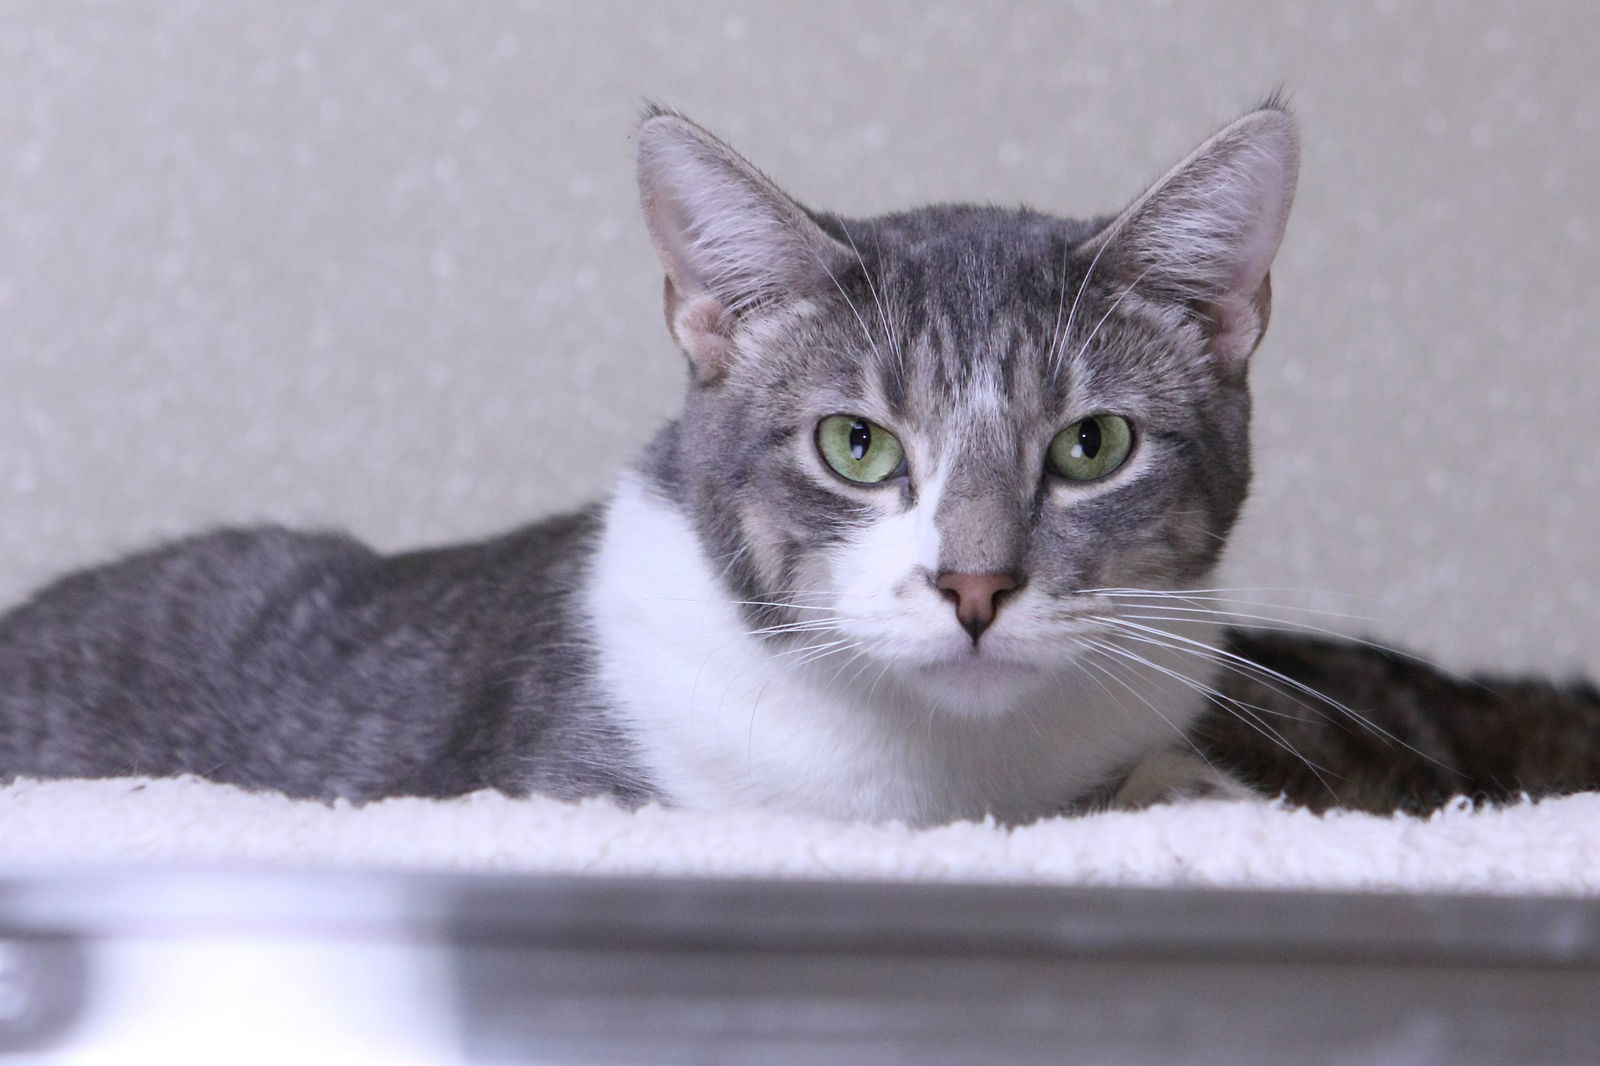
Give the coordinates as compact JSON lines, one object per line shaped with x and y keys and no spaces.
{"x":722,"y":721}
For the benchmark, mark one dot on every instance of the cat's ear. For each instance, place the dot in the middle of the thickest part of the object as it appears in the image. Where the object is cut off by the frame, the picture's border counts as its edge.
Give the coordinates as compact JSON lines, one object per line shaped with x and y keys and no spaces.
{"x":1205,"y":234}
{"x":731,"y":241}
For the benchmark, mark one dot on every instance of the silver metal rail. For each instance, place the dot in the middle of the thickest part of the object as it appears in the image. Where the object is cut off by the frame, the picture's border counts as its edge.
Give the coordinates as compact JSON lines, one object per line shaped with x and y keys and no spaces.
{"x":305,"y":968}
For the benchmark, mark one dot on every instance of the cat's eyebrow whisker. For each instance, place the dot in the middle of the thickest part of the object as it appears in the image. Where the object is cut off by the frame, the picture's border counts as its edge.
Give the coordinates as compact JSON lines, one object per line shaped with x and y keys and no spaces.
{"x":1061,"y":338}
{"x":1084,"y":347}
{"x":865,"y":332}
{"x":1061,"y":302}
{"x":883,"y":319}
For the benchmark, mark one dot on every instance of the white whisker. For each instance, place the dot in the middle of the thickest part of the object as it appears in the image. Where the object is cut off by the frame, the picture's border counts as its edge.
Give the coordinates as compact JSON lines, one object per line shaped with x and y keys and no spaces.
{"x":1060,"y":340}
{"x":883,"y":318}
{"x":1222,"y":654}
{"x":1114,"y":305}
{"x":1142,"y":698}
{"x":1230,"y":593}
{"x":1246,"y":712}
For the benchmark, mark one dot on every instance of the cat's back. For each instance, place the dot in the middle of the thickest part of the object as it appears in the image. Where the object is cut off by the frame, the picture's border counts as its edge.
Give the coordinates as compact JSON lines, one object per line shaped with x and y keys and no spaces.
{"x":310,"y":664}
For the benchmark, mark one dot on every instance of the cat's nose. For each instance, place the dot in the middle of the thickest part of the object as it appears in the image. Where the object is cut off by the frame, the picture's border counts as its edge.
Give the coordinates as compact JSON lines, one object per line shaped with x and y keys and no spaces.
{"x":976,"y":597}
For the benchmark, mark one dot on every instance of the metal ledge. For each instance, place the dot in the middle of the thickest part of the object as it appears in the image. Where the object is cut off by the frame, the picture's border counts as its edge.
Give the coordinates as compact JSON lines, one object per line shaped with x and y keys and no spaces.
{"x":116,"y":966}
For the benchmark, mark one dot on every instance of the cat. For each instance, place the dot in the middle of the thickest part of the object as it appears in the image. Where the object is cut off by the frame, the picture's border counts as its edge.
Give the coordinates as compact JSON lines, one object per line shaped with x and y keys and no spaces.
{"x":901,"y":556}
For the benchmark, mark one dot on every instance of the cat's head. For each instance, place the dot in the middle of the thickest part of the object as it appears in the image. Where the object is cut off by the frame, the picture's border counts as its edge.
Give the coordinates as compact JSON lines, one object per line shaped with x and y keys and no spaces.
{"x":921,"y":440}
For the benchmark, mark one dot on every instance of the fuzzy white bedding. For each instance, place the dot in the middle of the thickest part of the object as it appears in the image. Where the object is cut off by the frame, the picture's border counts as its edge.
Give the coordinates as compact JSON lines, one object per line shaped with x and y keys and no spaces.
{"x":1549,"y":847}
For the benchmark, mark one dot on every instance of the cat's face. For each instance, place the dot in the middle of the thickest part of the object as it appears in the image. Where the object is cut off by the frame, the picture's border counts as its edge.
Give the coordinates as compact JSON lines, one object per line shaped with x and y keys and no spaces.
{"x":916,"y":445}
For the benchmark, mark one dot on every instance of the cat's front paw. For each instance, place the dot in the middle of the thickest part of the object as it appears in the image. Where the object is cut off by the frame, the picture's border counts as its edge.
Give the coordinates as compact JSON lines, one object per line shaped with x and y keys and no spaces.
{"x":1171,"y":776}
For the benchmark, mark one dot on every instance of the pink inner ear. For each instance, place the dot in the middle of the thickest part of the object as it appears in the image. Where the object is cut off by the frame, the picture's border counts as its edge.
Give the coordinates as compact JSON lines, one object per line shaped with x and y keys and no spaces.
{"x":1213,"y":226}
{"x":1238,"y":323}
{"x":1268,"y":185}
{"x":703,"y":330}
{"x":1240,"y":314}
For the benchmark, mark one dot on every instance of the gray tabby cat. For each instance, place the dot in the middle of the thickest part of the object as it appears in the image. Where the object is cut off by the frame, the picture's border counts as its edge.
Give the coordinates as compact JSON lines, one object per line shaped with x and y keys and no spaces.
{"x":881,"y":566}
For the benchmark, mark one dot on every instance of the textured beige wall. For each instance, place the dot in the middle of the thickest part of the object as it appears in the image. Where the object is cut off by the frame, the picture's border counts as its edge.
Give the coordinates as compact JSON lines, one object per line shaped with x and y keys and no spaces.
{"x":378,"y":264}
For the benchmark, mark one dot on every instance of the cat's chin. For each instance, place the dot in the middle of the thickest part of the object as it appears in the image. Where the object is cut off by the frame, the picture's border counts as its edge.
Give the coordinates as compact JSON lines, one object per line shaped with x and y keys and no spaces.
{"x":976,"y":685}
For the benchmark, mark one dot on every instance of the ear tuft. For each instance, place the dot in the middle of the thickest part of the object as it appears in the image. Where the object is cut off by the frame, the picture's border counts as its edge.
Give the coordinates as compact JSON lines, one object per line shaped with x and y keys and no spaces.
{"x":1206,"y":233}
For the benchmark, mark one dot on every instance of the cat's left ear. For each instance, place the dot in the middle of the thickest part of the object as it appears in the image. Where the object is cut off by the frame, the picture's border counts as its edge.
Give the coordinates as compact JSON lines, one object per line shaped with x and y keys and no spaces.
{"x":732,"y":243}
{"x":1205,"y":234}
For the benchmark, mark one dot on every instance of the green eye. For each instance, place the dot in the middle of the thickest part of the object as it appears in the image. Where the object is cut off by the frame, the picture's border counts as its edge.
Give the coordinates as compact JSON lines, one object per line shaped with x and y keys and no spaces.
{"x":1091,"y":449}
{"x":859,"y":450}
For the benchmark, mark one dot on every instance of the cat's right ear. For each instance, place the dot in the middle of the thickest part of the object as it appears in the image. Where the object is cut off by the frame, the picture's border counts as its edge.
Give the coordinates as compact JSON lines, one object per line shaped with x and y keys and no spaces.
{"x":731,"y":242}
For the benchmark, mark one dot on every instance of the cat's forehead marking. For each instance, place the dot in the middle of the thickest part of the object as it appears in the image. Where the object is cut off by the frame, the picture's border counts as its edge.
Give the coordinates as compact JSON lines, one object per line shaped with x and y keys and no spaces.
{"x":985,"y":398}
{"x":972,"y":294}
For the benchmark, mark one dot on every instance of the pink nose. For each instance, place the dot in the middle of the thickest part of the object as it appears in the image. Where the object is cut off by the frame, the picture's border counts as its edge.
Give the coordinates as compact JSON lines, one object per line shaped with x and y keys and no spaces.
{"x":976,"y":597}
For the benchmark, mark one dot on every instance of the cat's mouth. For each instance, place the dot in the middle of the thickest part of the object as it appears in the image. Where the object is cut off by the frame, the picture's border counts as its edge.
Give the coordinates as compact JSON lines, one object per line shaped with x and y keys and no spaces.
{"x":977,"y":683}
{"x":996,"y":668}
{"x":977,"y":664}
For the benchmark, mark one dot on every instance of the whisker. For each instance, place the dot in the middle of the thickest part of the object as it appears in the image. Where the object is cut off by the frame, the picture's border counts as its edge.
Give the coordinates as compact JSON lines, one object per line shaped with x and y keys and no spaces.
{"x":1270,"y":624}
{"x":865,"y":332}
{"x":872,"y":690}
{"x":775,"y":603}
{"x":1245,"y":711}
{"x":1225,"y":591}
{"x":1061,"y":302}
{"x":883,"y":319}
{"x":1261,"y":621}
{"x":804,"y":648}
{"x":792,"y":628}
{"x":1061,"y":340}
{"x":1224,"y":611}
{"x":1086,"y":662}
{"x":859,"y":655}
{"x":1142,"y":698}
{"x":821,"y":651}
{"x":1114,"y":305}
{"x":1244,"y":668}
{"x":1198,"y":607}
{"x":1250,"y":664}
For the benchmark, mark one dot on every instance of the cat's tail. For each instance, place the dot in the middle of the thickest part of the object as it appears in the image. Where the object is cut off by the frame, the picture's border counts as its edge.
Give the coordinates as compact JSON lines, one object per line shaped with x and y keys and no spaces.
{"x":1345,"y":723}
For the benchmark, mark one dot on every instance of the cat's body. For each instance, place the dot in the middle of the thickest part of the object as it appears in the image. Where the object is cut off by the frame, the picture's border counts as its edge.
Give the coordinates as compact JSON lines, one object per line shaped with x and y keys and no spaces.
{"x":310,"y":665}
{"x":900,"y":556}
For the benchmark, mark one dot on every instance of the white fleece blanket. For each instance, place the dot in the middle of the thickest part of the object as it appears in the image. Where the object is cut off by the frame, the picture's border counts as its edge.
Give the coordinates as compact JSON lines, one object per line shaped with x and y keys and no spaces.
{"x":1550,"y":847}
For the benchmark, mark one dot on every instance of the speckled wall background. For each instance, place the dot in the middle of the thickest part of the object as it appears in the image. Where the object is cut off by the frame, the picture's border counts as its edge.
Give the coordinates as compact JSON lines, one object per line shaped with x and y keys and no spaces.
{"x":378,"y":264}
